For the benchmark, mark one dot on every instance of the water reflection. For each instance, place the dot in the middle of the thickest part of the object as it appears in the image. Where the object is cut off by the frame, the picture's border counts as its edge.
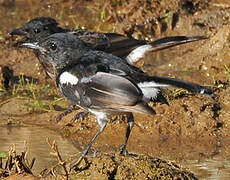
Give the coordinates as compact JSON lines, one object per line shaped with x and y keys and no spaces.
{"x":36,"y":143}
{"x":217,"y":167}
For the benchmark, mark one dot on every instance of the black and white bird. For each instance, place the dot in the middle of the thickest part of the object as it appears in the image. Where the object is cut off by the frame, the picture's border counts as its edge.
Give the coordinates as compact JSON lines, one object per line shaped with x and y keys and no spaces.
{"x":102,"y":83}
{"x":126,"y":47}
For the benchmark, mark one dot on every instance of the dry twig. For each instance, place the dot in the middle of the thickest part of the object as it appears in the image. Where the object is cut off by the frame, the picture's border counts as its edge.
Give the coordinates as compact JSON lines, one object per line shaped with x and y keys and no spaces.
{"x":16,"y":163}
{"x":61,"y":162}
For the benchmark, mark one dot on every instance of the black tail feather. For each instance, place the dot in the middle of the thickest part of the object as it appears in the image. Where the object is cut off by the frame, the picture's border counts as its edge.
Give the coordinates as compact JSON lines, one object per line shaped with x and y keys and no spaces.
{"x":122,"y":46}
{"x":191,"y":87}
{"x":168,"y":42}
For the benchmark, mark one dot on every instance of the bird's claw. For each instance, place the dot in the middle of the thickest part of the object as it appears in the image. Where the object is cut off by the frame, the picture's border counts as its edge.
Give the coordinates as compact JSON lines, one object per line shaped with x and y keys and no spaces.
{"x":80,"y":116}
{"x":123,"y":150}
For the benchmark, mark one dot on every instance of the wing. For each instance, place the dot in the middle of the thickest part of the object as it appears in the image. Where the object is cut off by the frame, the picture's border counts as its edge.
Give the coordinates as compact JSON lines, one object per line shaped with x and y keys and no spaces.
{"x":116,"y":44}
{"x":115,"y":93}
{"x":121,"y":45}
{"x":97,"y":41}
{"x":116,"y":89}
{"x":92,"y":85}
{"x":127,"y":47}
{"x":123,"y":74}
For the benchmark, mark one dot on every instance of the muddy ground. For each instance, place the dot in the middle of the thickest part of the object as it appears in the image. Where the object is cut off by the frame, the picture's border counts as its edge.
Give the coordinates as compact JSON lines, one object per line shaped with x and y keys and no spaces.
{"x":192,"y":127}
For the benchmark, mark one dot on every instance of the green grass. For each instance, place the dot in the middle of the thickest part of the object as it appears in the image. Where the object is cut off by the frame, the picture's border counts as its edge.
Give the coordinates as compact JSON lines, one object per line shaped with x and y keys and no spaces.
{"x":227,"y":71}
{"x":40,"y":98}
{"x":3,"y":155}
{"x":186,"y":70}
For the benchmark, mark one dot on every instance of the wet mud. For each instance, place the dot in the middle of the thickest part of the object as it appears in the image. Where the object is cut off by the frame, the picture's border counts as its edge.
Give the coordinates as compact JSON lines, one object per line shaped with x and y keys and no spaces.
{"x":193,"y":132}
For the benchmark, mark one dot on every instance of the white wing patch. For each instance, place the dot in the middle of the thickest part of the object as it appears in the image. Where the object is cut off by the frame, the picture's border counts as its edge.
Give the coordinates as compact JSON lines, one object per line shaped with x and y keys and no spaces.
{"x":150,"y":89}
{"x":138,"y":53}
{"x":150,"y":93}
{"x":68,"y":78}
{"x":151,"y":84}
{"x":202,"y":91}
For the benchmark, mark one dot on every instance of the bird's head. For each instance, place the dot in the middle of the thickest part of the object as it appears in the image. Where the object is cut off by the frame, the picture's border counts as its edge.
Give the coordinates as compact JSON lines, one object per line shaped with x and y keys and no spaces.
{"x":38,"y":28}
{"x":60,"y":49}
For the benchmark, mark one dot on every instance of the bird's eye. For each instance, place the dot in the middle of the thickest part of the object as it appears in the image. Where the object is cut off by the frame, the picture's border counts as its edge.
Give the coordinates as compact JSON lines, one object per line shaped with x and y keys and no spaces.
{"x":36,"y":31}
{"x":46,"y":28}
{"x":53,"y":46}
{"x":27,"y":30}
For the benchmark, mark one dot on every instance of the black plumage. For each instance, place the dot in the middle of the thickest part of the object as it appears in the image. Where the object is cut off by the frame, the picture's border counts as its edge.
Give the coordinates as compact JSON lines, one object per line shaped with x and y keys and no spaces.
{"x":102,"y":83}
{"x":128,"y":48}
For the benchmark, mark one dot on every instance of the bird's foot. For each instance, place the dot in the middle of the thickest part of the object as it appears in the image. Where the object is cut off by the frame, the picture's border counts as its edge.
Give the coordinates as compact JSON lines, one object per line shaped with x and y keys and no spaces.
{"x":59,"y":117}
{"x":80,"y":116}
{"x":66,"y":112}
{"x":123,"y":150}
{"x":75,"y":164}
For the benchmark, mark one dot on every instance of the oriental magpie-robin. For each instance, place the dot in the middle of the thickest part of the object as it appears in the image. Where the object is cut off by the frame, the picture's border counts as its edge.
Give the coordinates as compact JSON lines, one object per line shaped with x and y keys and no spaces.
{"x":102,"y":83}
{"x":129,"y":48}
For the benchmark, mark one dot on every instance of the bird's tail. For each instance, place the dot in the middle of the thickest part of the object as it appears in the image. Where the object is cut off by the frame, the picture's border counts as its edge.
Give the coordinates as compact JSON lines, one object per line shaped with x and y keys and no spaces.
{"x":139,"y":52}
{"x":173,"y":41}
{"x":155,"y":81}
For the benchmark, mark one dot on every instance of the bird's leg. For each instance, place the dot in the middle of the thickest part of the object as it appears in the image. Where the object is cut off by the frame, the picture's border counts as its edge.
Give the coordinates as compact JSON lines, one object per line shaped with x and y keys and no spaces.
{"x":67,"y":111}
{"x":80,"y":116}
{"x":102,"y":124}
{"x":128,"y":130}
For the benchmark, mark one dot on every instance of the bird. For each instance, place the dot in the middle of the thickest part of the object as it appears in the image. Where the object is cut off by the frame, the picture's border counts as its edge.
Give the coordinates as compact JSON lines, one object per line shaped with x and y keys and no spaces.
{"x":102,"y":83}
{"x":128,"y":48}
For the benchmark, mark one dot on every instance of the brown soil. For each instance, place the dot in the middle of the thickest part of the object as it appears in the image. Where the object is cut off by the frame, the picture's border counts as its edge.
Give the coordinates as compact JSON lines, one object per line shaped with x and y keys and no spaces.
{"x":192,"y":123}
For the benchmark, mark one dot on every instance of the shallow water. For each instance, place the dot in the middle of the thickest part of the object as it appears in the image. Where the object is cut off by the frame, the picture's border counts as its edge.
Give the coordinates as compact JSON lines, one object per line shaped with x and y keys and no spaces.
{"x":35,"y":138}
{"x":217,"y":167}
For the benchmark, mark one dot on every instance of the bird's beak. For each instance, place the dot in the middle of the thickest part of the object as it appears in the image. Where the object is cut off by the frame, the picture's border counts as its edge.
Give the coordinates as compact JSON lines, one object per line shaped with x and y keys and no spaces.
{"x":19,"y":31}
{"x":33,"y":46}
